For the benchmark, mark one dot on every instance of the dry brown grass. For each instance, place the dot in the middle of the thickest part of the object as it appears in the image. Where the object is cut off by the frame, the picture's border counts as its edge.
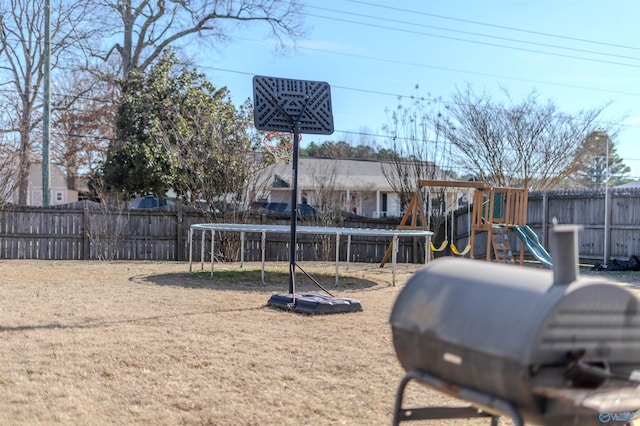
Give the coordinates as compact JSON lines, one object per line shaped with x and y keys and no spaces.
{"x":90,"y":343}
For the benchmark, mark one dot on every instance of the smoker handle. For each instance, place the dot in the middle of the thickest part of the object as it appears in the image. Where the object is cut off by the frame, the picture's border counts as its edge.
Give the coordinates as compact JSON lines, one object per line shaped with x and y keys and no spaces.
{"x":604,"y":373}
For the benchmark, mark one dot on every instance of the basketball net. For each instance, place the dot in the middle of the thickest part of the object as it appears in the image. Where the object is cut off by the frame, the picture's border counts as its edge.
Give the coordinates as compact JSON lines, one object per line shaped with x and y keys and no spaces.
{"x":279,"y":145}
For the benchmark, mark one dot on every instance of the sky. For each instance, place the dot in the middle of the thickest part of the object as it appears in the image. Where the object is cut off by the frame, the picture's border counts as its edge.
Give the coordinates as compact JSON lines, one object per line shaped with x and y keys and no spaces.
{"x":580,"y":54}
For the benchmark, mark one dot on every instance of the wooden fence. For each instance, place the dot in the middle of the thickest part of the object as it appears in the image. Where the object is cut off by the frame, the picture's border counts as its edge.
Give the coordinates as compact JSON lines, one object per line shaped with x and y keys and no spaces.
{"x":82,"y":232}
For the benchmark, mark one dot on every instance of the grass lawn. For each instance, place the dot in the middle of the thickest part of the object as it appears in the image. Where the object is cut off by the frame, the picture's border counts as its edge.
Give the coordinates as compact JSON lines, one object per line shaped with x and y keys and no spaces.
{"x":103,"y":343}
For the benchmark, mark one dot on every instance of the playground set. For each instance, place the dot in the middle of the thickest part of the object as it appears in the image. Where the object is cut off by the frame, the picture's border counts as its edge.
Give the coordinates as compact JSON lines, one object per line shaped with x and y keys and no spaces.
{"x":495,"y":211}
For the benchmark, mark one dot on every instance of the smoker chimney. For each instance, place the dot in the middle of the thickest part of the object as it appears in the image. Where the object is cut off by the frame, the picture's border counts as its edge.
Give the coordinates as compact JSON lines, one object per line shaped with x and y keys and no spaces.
{"x":564,"y":251}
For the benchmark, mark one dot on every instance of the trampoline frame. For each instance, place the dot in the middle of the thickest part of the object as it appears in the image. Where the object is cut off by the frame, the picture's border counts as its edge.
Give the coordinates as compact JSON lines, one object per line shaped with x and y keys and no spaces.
{"x":394,"y":234}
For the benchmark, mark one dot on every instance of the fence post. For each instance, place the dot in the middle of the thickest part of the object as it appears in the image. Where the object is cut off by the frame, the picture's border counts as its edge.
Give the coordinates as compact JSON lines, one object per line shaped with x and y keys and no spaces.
{"x":86,"y":248}
{"x":179,"y":236}
{"x":545,"y":218}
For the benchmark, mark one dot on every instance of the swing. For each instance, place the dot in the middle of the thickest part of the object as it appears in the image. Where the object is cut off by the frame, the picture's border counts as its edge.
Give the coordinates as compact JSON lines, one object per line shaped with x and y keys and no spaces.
{"x":445,"y":243}
{"x":455,"y":251}
{"x":467,"y":249}
{"x":442,"y":246}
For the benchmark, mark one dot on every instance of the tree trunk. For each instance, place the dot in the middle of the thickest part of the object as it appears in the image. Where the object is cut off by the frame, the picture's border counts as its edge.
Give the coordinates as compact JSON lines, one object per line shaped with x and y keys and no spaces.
{"x":24,"y":163}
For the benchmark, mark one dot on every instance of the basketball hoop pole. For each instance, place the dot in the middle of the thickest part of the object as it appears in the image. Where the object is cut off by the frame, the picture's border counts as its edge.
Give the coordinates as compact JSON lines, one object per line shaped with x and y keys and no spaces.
{"x":294,"y":210}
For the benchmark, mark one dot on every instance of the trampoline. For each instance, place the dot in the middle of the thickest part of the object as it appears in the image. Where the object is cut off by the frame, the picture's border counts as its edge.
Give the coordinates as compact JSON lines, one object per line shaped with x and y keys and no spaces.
{"x":393,"y":234}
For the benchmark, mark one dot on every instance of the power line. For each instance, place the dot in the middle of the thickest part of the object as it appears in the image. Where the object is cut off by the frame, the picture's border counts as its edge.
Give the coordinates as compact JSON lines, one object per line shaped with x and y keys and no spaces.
{"x":458,"y":70}
{"x":390,"y":94}
{"x":370,"y":91}
{"x":504,"y":27}
{"x":387,"y":20}
{"x":483,"y":43}
{"x":447,"y":69}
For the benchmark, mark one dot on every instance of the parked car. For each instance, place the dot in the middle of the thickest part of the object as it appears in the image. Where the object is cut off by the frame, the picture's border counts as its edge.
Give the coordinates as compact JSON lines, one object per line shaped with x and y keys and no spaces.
{"x":306,"y":210}
{"x":150,"y":202}
{"x":275,"y":207}
{"x":217,"y":207}
{"x":303,"y":209}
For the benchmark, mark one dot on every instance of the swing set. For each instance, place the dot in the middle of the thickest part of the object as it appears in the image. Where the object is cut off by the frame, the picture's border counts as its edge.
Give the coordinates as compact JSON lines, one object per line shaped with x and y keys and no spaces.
{"x":495,"y":211}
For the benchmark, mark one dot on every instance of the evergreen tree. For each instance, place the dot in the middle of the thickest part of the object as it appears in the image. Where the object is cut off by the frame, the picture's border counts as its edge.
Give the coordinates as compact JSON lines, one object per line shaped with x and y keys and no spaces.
{"x":176,"y":131}
{"x":593,"y":172}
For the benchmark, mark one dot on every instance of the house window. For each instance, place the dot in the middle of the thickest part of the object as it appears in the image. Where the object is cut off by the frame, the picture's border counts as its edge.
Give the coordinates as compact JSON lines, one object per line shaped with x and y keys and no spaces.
{"x":59,"y":197}
{"x":385,"y":205}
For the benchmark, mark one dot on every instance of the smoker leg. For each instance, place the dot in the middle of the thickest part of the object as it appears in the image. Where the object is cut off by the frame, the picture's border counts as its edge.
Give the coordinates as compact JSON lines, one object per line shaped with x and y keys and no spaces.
{"x":426,"y":413}
{"x":399,"y":396}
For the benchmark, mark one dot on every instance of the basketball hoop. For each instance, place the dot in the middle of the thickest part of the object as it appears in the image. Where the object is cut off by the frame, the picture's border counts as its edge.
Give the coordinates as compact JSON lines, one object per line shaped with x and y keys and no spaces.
{"x":279,"y":145}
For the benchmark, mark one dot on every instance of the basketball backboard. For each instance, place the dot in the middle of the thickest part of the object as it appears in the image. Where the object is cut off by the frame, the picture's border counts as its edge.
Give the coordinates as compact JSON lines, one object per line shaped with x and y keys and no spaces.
{"x":279,"y":103}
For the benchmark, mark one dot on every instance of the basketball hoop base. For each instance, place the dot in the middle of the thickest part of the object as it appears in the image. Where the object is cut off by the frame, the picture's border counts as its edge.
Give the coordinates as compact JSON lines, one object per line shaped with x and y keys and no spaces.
{"x":314,"y":304}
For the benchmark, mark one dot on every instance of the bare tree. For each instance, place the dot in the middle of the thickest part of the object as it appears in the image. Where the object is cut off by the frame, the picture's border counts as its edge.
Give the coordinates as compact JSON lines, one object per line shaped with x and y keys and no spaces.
{"x":83,"y":123}
{"x":148,"y":27}
{"x":525,"y":143}
{"x":107,"y":224}
{"x":327,"y":194}
{"x":8,"y":171}
{"x":328,"y":197}
{"x":8,"y":159}
{"x":22,"y":45}
{"x":415,"y":136}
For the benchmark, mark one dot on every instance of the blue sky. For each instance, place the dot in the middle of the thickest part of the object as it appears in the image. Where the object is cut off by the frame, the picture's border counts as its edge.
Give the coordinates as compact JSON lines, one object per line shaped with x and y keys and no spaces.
{"x":579,"y":53}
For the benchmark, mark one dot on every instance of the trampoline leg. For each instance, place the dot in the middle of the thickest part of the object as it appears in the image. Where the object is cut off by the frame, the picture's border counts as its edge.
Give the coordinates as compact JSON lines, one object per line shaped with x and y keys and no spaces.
{"x":242,"y":250}
{"x":394,"y":257}
{"x":337,"y":259}
{"x":190,"y":250}
{"x":264,"y":242}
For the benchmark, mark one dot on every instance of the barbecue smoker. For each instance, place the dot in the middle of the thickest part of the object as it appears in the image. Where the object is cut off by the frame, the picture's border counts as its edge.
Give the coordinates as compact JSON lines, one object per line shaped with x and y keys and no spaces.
{"x":540,"y":347}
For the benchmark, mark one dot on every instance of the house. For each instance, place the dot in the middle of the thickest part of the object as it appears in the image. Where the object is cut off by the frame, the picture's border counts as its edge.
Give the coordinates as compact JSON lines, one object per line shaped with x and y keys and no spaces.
{"x":59,"y":191}
{"x":356,"y":186}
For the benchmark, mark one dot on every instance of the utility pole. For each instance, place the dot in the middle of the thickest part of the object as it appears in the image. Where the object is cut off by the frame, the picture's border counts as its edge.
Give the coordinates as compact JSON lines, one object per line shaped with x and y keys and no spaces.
{"x":600,"y":135}
{"x":46,"y":114}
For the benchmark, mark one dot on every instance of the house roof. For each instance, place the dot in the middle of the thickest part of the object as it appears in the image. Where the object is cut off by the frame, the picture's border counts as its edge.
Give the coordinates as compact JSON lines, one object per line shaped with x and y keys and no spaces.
{"x":348,"y":174}
{"x":634,"y":184}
